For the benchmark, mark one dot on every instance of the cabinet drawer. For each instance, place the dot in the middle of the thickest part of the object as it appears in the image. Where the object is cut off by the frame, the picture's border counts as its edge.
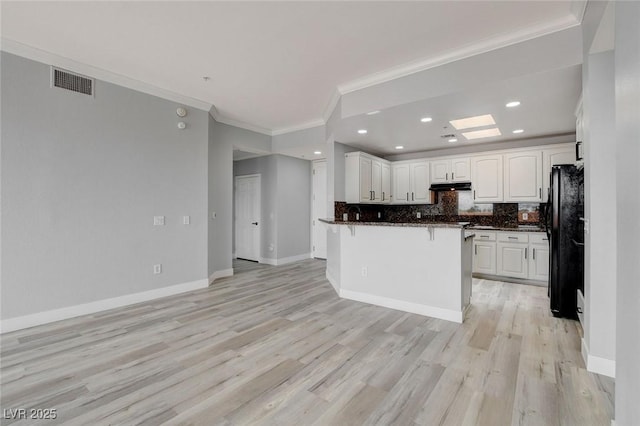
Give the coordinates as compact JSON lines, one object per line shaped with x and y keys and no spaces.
{"x":513,"y":237}
{"x":485,"y":236}
{"x":538,"y":238}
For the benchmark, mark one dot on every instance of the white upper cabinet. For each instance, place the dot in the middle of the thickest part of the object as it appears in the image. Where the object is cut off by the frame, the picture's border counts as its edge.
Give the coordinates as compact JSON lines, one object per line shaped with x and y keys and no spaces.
{"x":523,"y":176}
{"x":367,"y":179}
{"x":411,"y":182}
{"x":401,"y":183}
{"x":486,"y":177}
{"x":564,"y":154}
{"x":450,"y":170}
{"x":386,"y":183}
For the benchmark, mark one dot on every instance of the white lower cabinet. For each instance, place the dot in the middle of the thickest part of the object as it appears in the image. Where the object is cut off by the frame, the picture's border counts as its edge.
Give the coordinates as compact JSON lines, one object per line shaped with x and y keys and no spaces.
{"x":539,"y":259}
{"x":513,"y":248}
{"x":484,"y":253}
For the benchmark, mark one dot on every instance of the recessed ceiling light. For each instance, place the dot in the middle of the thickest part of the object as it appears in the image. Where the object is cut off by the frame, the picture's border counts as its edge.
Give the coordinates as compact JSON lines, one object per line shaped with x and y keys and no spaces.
{"x":374,"y":112}
{"x":317,"y":152}
{"x":518,"y":131}
{"x":469,"y":122}
{"x":362,"y":131}
{"x":512,"y":104}
{"x":399,"y":147}
{"x":426,"y":119}
{"x":485,"y":133}
{"x":453,"y":140}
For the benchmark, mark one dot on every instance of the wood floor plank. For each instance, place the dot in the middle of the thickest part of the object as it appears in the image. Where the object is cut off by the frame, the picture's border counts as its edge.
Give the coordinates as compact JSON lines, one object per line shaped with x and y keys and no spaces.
{"x":275,"y":345}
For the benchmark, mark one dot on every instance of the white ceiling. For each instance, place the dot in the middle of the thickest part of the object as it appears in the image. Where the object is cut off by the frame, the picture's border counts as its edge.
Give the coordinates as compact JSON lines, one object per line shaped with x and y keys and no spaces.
{"x":548,"y":101}
{"x":277,"y":65}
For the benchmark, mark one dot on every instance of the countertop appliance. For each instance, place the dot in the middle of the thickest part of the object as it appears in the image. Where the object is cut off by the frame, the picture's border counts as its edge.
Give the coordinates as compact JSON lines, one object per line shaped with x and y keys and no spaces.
{"x":564,"y":224}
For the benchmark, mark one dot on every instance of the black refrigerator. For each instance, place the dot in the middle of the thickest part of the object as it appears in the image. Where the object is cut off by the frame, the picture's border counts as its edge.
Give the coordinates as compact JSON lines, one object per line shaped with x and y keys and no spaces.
{"x":564,"y":223}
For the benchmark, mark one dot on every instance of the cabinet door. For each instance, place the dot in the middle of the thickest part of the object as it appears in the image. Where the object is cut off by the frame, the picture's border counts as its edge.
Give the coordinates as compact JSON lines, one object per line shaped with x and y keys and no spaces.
{"x":365,"y":179}
{"x":523,"y":176}
{"x":386,"y":183}
{"x":440,"y":171}
{"x":512,"y":260}
{"x":539,"y":262}
{"x":376,"y":180}
{"x":420,"y":183}
{"x":551,"y":157}
{"x":460,"y":170}
{"x":401,"y":183}
{"x":486,"y":177}
{"x":484,"y":257}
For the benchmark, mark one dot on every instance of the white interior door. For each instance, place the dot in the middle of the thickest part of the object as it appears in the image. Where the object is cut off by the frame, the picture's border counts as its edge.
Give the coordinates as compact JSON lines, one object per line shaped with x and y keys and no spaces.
{"x":319,"y":209}
{"x":247,"y":198}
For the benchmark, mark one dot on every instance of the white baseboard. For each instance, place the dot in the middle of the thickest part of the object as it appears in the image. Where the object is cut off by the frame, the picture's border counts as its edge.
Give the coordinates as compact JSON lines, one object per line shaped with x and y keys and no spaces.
{"x":596,"y":364}
{"x":220,"y":274}
{"x":285,"y":260}
{"x":26,"y":321}
{"x":401,"y":305}
{"x":333,"y":282}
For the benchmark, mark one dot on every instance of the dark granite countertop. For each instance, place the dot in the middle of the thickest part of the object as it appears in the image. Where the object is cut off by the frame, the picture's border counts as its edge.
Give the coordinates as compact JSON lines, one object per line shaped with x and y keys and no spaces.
{"x":465,"y":225}
{"x":458,"y":225}
{"x":520,"y":228}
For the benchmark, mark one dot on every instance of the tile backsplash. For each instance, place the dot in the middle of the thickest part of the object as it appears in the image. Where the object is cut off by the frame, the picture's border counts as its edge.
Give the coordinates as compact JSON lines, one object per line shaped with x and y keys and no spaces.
{"x":444,"y":210}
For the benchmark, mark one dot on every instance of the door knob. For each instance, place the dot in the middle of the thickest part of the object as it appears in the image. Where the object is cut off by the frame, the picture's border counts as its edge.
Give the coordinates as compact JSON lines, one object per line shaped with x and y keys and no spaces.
{"x":254,"y":223}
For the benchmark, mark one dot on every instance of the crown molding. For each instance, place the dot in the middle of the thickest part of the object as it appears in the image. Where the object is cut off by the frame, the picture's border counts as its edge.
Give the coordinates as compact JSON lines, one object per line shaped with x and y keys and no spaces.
{"x":302,"y":126}
{"x":242,"y":124}
{"x":331,"y":106}
{"x":39,"y":55}
{"x":481,"y":47}
{"x":578,"y":7}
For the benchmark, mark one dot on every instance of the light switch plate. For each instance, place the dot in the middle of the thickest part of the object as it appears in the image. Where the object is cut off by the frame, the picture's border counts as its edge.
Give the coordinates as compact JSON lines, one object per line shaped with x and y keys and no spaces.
{"x":157,"y":269}
{"x":158,"y":220}
{"x":186,"y":220}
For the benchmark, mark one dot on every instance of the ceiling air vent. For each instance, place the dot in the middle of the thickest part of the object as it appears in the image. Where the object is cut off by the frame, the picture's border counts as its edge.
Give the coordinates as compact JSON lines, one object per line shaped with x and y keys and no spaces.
{"x":69,"y":81}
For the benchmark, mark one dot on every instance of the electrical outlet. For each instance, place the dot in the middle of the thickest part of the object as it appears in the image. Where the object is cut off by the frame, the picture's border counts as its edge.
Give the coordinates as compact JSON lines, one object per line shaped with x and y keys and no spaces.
{"x":418,"y":215}
{"x":357,"y":216}
{"x":158,"y":220}
{"x":379,"y":215}
{"x":157,"y":269}
{"x":345,"y":217}
{"x":525,"y":216}
{"x":186,"y":220}
{"x":364,"y":271}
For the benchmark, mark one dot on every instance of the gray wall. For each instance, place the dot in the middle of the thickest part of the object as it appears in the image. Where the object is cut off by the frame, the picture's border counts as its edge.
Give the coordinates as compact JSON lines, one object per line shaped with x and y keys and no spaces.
{"x":294,"y":206}
{"x":286,"y":203}
{"x":222,"y":139}
{"x":627,"y":87}
{"x":600,"y":204}
{"x":82,"y":178}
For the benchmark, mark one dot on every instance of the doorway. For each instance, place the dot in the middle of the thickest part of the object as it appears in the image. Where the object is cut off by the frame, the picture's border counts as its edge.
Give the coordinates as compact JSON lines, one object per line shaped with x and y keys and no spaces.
{"x":247,"y":220}
{"x":319,"y":209}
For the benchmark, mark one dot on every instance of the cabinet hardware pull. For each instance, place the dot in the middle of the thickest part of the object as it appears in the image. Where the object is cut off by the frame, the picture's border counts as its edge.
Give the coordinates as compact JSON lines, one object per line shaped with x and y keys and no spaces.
{"x":525,"y":252}
{"x":374,"y":195}
{"x":513,"y":238}
{"x":540,"y":191}
{"x":412,"y":196}
{"x":474,"y":194}
{"x":382,"y":195}
{"x":407,"y":196}
{"x":452,"y":176}
{"x":476,"y":248}
{"x":534,"y":254}
{"x":447,"y":174}
{"x":484,"y":236}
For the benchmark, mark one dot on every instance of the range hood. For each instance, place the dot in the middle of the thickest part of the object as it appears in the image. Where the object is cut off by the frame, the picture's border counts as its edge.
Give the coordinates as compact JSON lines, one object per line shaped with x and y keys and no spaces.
{"x":454,"y":186}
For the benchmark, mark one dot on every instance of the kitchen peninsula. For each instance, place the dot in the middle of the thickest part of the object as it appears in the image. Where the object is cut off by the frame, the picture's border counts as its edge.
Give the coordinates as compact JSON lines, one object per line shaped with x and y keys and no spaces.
{"x":422,"y":268}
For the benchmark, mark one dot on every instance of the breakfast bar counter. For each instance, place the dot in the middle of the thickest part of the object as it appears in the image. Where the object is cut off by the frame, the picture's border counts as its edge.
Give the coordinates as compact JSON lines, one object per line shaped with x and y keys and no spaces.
{"x":423,"y":268}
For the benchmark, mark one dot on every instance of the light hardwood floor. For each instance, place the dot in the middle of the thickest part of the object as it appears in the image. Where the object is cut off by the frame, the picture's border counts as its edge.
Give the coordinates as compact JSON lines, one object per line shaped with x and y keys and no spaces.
{"x":275,"y":345}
